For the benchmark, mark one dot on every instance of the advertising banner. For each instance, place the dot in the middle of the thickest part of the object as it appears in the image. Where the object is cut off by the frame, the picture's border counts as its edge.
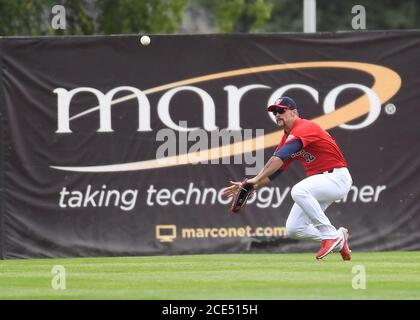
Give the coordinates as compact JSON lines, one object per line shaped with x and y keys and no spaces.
{"x":113,"y":148}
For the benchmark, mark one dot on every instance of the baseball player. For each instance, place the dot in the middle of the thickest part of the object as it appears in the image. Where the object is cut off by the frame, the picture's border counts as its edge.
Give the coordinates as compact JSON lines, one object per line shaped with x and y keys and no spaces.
{"x":328,"y":179}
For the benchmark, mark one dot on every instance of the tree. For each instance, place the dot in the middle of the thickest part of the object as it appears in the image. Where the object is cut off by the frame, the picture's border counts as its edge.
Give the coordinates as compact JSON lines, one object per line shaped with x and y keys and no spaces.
{"x":22,"y":17}
{"x":78,"y":20}
{"x":239,"y":15}
{"x":134,"y":16}
{"x":286,"y":16}
{"x":33,"y":17}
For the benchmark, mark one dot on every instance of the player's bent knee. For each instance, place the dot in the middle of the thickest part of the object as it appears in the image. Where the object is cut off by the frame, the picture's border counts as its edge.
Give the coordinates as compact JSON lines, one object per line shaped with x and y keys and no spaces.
{"x":293,"y":231}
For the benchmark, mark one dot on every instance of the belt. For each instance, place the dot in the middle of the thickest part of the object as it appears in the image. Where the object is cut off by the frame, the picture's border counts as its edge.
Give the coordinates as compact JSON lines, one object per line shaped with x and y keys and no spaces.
{"x":328,"y":171}
{"x":331,"y":170}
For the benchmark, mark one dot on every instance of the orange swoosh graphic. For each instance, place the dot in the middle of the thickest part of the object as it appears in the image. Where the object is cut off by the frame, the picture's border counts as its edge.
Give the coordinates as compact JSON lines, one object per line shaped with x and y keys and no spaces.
{"x":386,"y":84}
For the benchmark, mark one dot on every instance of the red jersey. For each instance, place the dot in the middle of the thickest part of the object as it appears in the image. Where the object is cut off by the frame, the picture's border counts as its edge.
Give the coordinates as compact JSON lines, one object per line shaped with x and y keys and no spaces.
{"x":319,"y":151}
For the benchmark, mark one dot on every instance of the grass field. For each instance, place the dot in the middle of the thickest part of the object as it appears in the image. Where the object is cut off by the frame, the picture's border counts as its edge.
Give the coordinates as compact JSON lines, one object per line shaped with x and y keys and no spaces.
{"x":390,"y":275}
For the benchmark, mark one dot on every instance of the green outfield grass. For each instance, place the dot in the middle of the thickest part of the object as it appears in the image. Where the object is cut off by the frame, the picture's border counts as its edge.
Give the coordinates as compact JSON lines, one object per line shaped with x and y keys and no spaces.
{"x":390,"y":275}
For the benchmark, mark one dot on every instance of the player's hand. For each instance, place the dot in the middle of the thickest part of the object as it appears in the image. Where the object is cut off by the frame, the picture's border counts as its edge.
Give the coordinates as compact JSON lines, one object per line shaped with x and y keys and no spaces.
{"x":231,"y":190}
{"x":253,"y":181}
{"x":243,"y":192}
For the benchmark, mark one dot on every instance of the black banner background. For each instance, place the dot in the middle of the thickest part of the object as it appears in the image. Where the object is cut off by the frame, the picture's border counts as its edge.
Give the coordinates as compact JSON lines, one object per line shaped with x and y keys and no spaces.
{"x":33,"y":224}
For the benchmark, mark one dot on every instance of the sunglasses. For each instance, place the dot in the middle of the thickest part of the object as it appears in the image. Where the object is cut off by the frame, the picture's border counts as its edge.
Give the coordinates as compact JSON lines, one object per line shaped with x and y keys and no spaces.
{"x":279,"y":110}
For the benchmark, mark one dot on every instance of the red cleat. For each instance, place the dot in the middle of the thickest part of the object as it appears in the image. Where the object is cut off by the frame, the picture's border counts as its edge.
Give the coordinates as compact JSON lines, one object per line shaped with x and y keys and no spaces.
{"x":345,"y":251}
{"x":327,"y":245}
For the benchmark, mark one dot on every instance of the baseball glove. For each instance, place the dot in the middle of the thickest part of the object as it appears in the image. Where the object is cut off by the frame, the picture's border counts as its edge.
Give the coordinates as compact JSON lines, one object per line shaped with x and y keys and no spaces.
{"x":241,"y":196}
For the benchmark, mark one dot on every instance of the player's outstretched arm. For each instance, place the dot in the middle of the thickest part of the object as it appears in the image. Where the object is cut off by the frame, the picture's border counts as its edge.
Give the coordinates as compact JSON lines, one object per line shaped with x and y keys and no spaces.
{"x":272,"y":165}
{"x":276,"y":161}
{"x":235,"y":185}
{"x":261,"y":183}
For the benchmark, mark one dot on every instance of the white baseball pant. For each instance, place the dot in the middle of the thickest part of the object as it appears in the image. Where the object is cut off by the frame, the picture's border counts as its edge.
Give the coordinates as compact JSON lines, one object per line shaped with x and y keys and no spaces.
{"x":312,"y":196}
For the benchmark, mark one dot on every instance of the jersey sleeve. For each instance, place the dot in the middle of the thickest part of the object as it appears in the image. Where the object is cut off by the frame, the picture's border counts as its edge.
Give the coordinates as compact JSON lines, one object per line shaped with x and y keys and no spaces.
{"x":288,"y":149}
{"x":287,"y":161}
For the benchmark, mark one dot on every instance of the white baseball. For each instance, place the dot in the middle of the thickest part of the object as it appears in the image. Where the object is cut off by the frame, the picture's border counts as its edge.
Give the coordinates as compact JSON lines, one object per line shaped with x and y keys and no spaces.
{"x":145,"y":40}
